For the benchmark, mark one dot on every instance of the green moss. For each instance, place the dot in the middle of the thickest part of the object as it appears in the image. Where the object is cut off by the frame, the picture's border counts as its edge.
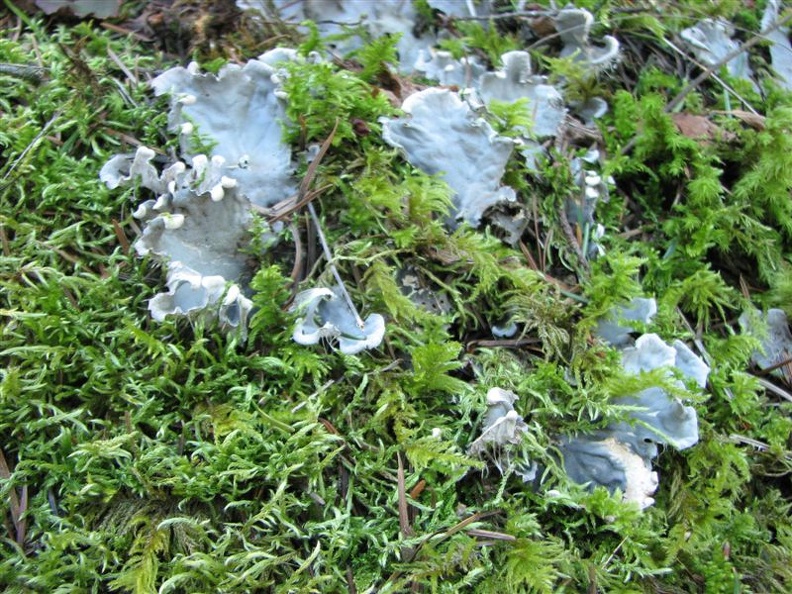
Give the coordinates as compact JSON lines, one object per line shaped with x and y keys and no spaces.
{"x":170,"y":457}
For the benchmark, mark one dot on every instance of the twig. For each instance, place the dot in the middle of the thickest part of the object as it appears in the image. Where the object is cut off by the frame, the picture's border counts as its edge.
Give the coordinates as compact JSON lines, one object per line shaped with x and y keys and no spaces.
{"x":5,"y":243}
{"x":30,"y":147}
{"x":572,"y":239}
{"x":127,"y":72}
{"x":759,"y":445}
{"x":759,"y":37}
{"x":767,"y":370}
{"x":121,"y":236}
{"x":530,"y":14}
{"x":771,"y":387}
{"x":513,"y":343}
{"x":328,"y":254}
{"x":720,"y":81}
{"x":350,"y":578}
{"x":491,"y":535}
{"x":404,"y":516}
{"x":304,"y":194}
{"x":298,"y":254}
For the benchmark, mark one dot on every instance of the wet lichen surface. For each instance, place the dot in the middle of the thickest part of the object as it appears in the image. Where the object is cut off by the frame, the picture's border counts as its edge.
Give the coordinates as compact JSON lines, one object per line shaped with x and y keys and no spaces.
{"x":392,"y":296}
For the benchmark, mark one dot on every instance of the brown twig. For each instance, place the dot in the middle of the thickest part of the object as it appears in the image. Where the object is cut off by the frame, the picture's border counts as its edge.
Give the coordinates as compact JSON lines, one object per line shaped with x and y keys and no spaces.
{"x":767,"y":370}
{"x":298,"y":254}
{"x":121,"y":237}
{"x":404,"y":515}
{"x":304,"y":194}
{"x":5,"y":243}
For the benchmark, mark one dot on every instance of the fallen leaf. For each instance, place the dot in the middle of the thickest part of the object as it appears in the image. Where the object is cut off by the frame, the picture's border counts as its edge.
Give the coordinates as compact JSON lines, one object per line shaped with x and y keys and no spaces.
{"x":698,"y":127}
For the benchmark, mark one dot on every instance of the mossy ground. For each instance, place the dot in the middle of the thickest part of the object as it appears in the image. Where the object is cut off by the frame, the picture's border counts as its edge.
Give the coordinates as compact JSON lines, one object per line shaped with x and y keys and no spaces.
{"x":143,"y":457}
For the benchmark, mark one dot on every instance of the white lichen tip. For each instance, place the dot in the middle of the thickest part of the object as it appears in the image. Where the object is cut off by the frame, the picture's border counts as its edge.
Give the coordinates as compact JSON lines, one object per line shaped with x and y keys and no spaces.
{"x":217,"y":193}
{"x":199,"y":163}
{"x":187,"y":128}
{"x":187,"y":99}
{"x":173,"y":221}
{"x":232,"y":294}
{"x":501,"y":396}
{"x":145,"y":153}
{"x":140,"y":212}
{"x":163,"y":201}
{"x":228,"y":182}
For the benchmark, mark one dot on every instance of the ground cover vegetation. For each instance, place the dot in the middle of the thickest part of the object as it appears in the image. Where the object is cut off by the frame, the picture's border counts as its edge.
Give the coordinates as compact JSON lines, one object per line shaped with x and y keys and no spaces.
{"x":138,"y":456}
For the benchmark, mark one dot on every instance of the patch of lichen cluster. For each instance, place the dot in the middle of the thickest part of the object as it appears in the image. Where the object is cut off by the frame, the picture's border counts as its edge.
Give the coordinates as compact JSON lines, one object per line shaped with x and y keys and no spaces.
{"x":170,"y":457}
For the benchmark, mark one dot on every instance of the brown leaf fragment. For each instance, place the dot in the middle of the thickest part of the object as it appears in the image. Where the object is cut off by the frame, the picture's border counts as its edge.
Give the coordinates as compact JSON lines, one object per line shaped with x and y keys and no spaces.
{"x":698,"y":127}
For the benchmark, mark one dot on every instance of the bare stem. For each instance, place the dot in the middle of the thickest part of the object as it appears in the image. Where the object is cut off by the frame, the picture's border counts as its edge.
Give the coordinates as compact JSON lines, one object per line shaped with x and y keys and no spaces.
{"x":329,"y":255}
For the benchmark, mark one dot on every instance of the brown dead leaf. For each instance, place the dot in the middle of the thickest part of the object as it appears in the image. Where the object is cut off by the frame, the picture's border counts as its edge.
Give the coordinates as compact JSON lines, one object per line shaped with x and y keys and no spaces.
{"x":698,"y":127}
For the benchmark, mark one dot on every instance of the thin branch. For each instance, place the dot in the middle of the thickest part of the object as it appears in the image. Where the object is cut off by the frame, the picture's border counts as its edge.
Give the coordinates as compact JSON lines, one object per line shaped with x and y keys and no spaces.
{"x":298,"y":254}
{"x":329,"y":256}
{"x":720,"y":81}
{"x":771,"y":387}
{"x":30,"y":147}
{"x":404,"y":516}
{"x":759,"y":37}
{"x":34,"y":74}
{"x":572,"y":239}
{"x":17,"y":506}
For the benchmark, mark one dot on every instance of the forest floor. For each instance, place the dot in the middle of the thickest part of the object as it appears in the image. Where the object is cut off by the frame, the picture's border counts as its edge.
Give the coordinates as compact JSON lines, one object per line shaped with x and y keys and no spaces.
{"x":433,"y":301}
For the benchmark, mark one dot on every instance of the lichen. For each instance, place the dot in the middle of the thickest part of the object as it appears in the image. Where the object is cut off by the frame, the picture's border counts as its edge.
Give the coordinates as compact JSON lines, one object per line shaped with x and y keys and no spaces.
{"x":241,"y":113}
{"x":574,"y":28}
{"x":516,"y":81}
{"x":441,"y":135}
{"x":710,"y":40}
{"x":325,"y":315}
{"x":503,"y":428}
